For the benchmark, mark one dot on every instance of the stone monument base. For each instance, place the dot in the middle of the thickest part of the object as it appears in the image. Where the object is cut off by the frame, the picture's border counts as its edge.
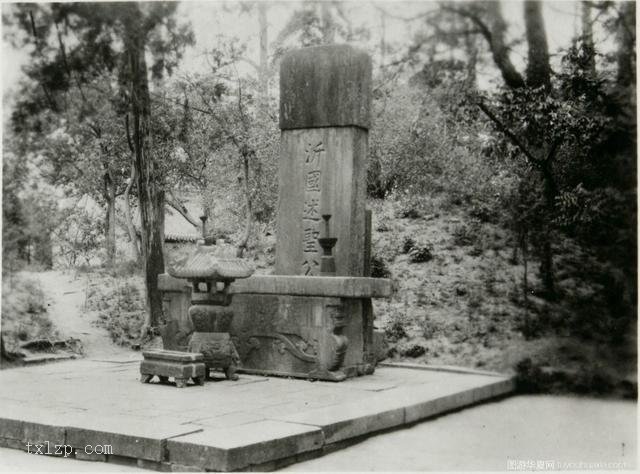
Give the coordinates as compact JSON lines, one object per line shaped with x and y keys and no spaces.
{"x":306,"y":327}
{"x":298,"y":336}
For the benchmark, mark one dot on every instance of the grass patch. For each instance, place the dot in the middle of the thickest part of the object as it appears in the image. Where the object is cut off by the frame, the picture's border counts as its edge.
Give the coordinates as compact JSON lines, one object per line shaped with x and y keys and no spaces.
{"x":24,"y":312}
{"x":120,"y":307}
{"x":466,"y":307}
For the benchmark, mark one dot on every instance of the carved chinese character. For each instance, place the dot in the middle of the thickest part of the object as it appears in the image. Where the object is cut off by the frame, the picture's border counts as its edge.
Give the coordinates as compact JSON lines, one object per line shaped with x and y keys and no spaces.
{"x":310,"y":239}
{"x":311,"y":209}
{"x":312,"y":154}
{"x":313,"y":181}
{"x":309,"y":266}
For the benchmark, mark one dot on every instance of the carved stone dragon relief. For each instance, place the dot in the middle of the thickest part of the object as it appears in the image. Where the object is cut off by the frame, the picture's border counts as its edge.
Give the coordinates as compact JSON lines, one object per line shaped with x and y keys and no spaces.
{"x":262,"y":336}
{"x":282,"y":343}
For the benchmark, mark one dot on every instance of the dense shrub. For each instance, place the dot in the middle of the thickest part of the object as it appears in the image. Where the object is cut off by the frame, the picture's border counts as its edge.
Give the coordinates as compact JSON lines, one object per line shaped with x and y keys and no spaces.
{"x":413,"y":145}
{"x":414,"y":351}
{"x":383,"y":227}
{"x":79,"y":238}
{"x":379,"y":268}
{"x":395,"y":331}
{"x":421,"y":253}
{"x":120,"y":306}
{"x":531,"y":377}
{"x":409,"y":212}
{"x":484,"y":210}
{"x":466,"y":234}
{"x":24,"y":311}
{"x":429,"y":327}
{"x":408,"y":244}
{"x":127,"y":268}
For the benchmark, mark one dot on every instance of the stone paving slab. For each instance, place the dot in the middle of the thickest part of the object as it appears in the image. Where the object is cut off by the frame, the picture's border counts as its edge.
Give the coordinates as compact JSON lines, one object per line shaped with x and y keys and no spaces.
{"x":253,"y":423}
{"x":130,"y":436}
{"x":244,"y":445}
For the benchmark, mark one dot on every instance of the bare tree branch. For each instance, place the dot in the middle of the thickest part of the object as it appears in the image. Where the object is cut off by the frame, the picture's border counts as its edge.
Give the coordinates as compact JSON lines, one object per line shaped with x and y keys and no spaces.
{"x":512,"y":136}
{"x":495,"y":38}
{"x":172,"y":201}
{"x":405,"y":19}
{"x":553,"y":150}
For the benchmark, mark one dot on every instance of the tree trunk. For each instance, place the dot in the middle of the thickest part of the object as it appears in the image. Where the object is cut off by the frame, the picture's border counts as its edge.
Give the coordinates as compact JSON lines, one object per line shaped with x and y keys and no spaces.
{"x":263,"y":73}
{"x":538,"y":69}
{"x":539,"y":75}
{"x":525,"y":276}
{"x":626,"y":53}
{"x":135,"y":250}
{"x":5,"y":356}
{"x":150,"y":194}
{"x":472,"y":61}
{"x":242,"y":245}
{"x":546,"y":263}
{"x":587,"y":37}
{"x":110,"y":197}
{"x":383,"y":39}
{"x":44,"y":250}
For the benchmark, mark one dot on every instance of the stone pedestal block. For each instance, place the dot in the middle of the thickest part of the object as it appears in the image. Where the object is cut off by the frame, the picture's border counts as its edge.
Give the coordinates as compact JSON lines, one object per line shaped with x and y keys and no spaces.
{"x":310,"y":337}
{"x":182,"y":366}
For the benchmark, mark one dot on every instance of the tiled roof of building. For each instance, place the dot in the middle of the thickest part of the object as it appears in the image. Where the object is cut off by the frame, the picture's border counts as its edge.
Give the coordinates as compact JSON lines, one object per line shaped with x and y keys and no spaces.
{"x":179,"y":237}
{"x":176,"y":228}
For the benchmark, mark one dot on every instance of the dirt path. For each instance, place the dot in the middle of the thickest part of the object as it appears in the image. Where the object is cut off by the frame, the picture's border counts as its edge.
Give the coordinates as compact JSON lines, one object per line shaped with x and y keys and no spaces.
{"x":66,"y":299}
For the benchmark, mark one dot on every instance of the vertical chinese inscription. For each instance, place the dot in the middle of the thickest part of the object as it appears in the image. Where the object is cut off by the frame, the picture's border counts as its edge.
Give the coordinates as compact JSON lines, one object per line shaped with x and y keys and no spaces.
{"x":311,"y":216}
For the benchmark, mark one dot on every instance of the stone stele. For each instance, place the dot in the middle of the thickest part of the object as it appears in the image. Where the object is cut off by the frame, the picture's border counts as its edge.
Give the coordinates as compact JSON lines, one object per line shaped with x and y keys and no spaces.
{"x":325,"y":95}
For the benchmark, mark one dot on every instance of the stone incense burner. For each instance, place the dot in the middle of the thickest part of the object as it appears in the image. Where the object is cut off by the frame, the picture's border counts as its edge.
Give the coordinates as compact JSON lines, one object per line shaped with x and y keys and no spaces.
{"x":210,"y":276}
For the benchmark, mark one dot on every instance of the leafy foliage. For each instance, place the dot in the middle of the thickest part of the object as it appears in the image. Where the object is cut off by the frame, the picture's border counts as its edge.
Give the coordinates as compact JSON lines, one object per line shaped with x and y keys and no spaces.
{"x":120,"y":309}
{"x":79,"y":239}
{"x":414,"y":151}
{"x":421,"y":253}
{"x":379,"y":268}
{"x":30,"y":215}
{"x":573,"y":141}
{"x":317,"y":23}
{"x":24,"y":311}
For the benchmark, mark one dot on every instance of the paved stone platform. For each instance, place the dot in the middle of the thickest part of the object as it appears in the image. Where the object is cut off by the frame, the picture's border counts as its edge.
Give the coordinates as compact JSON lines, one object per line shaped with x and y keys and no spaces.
{"x":254,"y":423}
